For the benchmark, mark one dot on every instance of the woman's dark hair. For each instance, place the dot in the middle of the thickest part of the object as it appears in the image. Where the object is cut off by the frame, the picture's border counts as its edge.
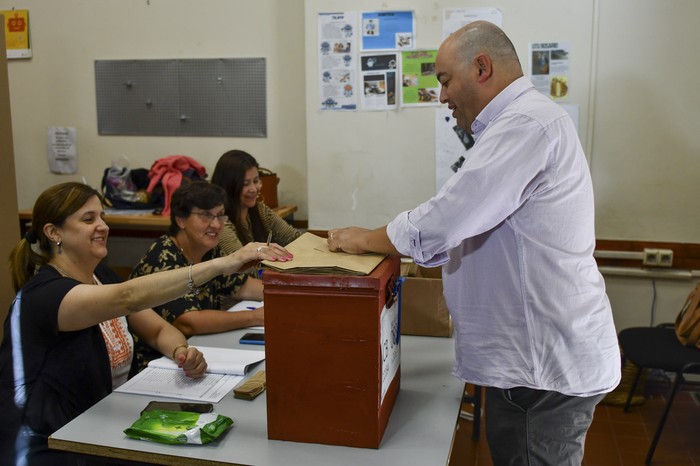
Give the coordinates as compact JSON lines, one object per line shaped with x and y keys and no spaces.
{"x":200,"y":194}
{"x":229,"y":173}
{"x":54,"y":205}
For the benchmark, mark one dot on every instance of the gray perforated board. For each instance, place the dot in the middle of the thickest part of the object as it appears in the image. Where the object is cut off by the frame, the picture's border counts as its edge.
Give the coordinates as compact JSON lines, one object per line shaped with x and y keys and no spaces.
{"x":194,"y":97}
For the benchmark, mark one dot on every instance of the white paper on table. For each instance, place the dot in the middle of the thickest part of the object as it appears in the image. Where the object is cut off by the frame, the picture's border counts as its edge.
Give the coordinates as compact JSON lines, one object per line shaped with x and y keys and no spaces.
{"x":228,"y":361}
{"x":248,"y":306}
{"x":171,"y":383}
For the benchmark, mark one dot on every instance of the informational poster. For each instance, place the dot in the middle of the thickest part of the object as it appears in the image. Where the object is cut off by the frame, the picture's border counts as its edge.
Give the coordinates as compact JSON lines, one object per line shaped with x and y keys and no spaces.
{"x":17,"y":33}
{"x":419,"y":83}
{"x":455,"y":18}
{"x":63,"y":152}
{"x":391,"y":345}
{"x":388,"y":30}
{"x":379,"y":73}
{"x":337,"y":61}
{"x":452,"y":144}
{"x":550,"y":69}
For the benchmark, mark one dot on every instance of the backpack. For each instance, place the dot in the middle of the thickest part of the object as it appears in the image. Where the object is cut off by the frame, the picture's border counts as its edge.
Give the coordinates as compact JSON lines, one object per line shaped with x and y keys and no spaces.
{"x":124,"y":188}
{"x":688,"y":320}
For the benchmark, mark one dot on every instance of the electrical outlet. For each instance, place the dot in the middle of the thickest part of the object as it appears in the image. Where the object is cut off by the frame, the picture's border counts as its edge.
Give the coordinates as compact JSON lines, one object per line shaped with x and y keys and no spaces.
{"x":658,"y":257}
{"x":665,"y":257}
{"x":651,"y":257}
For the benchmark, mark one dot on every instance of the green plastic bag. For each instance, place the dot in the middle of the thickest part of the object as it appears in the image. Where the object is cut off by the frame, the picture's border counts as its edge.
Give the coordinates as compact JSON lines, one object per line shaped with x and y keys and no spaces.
{"x":178,"y":427}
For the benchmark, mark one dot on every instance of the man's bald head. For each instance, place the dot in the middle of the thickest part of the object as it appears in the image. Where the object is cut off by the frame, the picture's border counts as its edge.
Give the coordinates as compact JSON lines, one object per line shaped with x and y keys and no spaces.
{"x":485,"y":37}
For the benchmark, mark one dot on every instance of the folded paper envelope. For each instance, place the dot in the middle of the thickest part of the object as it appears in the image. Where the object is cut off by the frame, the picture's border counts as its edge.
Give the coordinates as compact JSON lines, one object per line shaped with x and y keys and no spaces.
{"x":312,"y":256}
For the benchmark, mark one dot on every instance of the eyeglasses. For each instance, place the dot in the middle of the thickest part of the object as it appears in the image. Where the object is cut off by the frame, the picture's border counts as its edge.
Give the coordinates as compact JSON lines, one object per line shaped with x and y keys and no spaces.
{"x":209,"y":217}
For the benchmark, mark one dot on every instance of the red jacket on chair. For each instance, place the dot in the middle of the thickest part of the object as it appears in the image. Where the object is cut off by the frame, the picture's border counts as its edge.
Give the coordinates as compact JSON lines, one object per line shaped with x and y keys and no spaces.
{"x":168,"y":171}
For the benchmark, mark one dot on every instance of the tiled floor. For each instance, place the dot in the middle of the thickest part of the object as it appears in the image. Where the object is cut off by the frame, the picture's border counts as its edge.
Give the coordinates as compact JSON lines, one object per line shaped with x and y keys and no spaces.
{"x":617,"y":438}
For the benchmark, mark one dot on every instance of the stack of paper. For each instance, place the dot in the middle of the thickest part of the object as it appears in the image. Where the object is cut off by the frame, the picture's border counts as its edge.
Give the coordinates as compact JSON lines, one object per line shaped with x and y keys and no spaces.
{"x":225,"y":369}
{"x":312,"y":256}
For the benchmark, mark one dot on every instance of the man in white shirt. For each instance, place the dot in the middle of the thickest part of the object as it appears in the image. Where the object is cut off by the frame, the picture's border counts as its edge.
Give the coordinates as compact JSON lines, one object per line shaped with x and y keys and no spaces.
{"x":514,"y":232}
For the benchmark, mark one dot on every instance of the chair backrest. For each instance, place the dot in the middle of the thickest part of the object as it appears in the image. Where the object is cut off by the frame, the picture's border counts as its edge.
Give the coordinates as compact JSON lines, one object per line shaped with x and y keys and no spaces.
{"x":688,"y":320}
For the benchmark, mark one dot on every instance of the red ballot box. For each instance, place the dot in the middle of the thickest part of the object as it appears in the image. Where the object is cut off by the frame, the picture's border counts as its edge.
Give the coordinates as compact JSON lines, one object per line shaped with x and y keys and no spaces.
{"x":332,"y":355}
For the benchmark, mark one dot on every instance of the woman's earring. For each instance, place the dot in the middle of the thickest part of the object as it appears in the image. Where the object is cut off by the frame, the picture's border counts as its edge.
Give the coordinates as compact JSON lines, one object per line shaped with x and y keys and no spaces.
{"x":58,"y":245}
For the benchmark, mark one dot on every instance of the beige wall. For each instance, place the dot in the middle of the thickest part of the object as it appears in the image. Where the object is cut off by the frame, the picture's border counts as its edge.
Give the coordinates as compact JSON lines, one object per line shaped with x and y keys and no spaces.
{"x":56,"y":87}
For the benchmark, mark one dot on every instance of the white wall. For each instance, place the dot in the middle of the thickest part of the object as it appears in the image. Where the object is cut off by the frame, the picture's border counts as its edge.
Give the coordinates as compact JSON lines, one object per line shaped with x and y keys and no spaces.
{"x":646,"y":148}
{"x":56,"y":87}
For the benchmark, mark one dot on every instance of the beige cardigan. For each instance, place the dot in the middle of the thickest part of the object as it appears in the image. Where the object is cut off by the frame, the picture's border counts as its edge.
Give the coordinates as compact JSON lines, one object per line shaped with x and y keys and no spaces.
{"x":282,"y":232}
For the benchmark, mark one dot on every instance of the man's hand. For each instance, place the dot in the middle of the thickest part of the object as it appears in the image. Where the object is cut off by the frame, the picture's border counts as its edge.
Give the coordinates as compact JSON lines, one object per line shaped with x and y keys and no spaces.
{"x":348,"y":240}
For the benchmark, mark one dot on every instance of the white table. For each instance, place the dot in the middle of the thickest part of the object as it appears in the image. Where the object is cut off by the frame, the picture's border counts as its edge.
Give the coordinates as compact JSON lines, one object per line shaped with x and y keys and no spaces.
{"x":420,"y":430}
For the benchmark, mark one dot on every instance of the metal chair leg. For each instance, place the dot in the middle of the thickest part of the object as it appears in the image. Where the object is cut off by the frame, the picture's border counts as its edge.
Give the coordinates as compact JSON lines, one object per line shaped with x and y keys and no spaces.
{"x":634,"y":387}
{"x":676,"y":384}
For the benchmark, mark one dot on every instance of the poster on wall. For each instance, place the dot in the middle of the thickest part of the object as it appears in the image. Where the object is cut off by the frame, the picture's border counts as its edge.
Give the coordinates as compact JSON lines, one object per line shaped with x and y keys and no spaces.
{"x":455,"y":18}
{"x":419,"y":83}
{"x":379,"y":79}
{"x":388,"y":30}
{"x":62,"y":150}
{"x":549,"y":68}
{"x":337,"y":62}
{"x":17,"y":33}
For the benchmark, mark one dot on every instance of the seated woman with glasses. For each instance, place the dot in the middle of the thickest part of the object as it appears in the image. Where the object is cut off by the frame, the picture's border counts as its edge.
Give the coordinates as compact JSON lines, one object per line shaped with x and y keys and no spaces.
{"x":250,"y":219}
{"x":196,"y":220}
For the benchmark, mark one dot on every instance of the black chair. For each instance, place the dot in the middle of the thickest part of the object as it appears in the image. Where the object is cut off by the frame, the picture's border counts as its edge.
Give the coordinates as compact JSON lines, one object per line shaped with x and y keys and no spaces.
{"x":659,"y":348}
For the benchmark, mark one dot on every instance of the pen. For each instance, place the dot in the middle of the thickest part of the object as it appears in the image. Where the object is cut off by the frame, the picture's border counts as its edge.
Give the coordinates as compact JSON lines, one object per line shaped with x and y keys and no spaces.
{"x":252,"y":308}
{"x":269,"y":238}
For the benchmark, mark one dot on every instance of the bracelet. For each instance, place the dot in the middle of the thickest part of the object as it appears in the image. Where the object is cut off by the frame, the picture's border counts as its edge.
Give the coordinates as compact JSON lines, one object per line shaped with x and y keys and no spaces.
{"x":190,"y":282}
{"x":183,"y":345}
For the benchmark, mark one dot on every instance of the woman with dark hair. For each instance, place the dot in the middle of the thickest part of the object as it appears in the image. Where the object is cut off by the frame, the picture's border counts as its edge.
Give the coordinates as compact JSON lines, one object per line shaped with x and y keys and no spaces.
{"x":196,"y":219}
{"x":66,"y":342}
{"x":250,"y":219}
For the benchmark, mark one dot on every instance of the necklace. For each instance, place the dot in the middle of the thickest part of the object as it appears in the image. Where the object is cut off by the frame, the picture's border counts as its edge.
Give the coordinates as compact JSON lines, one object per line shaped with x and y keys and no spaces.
{"x":65,"y":274}
{"x":182,"y":251}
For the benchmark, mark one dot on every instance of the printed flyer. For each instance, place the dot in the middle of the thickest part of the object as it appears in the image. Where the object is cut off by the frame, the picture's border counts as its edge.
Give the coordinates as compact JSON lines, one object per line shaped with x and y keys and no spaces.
{"x":388,"y":30}
{"x":419,"y":83}
{"x":549,"y":69}
{"x":337,"y":61}
{"x":17,"y":33}
{"x":379,"y":77}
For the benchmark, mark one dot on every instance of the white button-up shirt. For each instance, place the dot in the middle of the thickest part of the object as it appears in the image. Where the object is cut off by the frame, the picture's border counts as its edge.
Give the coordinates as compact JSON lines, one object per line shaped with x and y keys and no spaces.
{"x":514,"y":230}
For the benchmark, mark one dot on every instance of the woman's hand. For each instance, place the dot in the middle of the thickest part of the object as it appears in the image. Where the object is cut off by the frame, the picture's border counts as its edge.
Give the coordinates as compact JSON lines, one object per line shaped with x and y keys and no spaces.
{"x":261,"y":251}
{"x":191,"y":360}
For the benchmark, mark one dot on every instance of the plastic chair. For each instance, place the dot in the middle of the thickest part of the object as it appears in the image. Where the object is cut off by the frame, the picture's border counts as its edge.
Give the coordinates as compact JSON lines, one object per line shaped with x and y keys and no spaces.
{"x":659,"y":348}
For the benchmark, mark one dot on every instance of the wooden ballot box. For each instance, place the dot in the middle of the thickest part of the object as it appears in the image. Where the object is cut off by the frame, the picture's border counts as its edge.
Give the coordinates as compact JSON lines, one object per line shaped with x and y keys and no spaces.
{"x":332,"y":355}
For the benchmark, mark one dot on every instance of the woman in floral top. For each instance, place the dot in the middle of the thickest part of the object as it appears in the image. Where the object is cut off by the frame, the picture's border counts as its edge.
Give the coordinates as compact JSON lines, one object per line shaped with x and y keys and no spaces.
{"x":196,"y":220}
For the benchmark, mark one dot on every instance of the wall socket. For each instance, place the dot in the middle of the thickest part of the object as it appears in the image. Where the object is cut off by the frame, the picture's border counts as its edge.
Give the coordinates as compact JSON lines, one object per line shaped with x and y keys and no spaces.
{"x":658,"y":257}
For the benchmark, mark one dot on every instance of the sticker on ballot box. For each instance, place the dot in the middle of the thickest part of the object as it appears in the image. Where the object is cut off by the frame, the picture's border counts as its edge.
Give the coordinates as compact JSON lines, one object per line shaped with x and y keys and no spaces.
{"x":391,"y":345}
